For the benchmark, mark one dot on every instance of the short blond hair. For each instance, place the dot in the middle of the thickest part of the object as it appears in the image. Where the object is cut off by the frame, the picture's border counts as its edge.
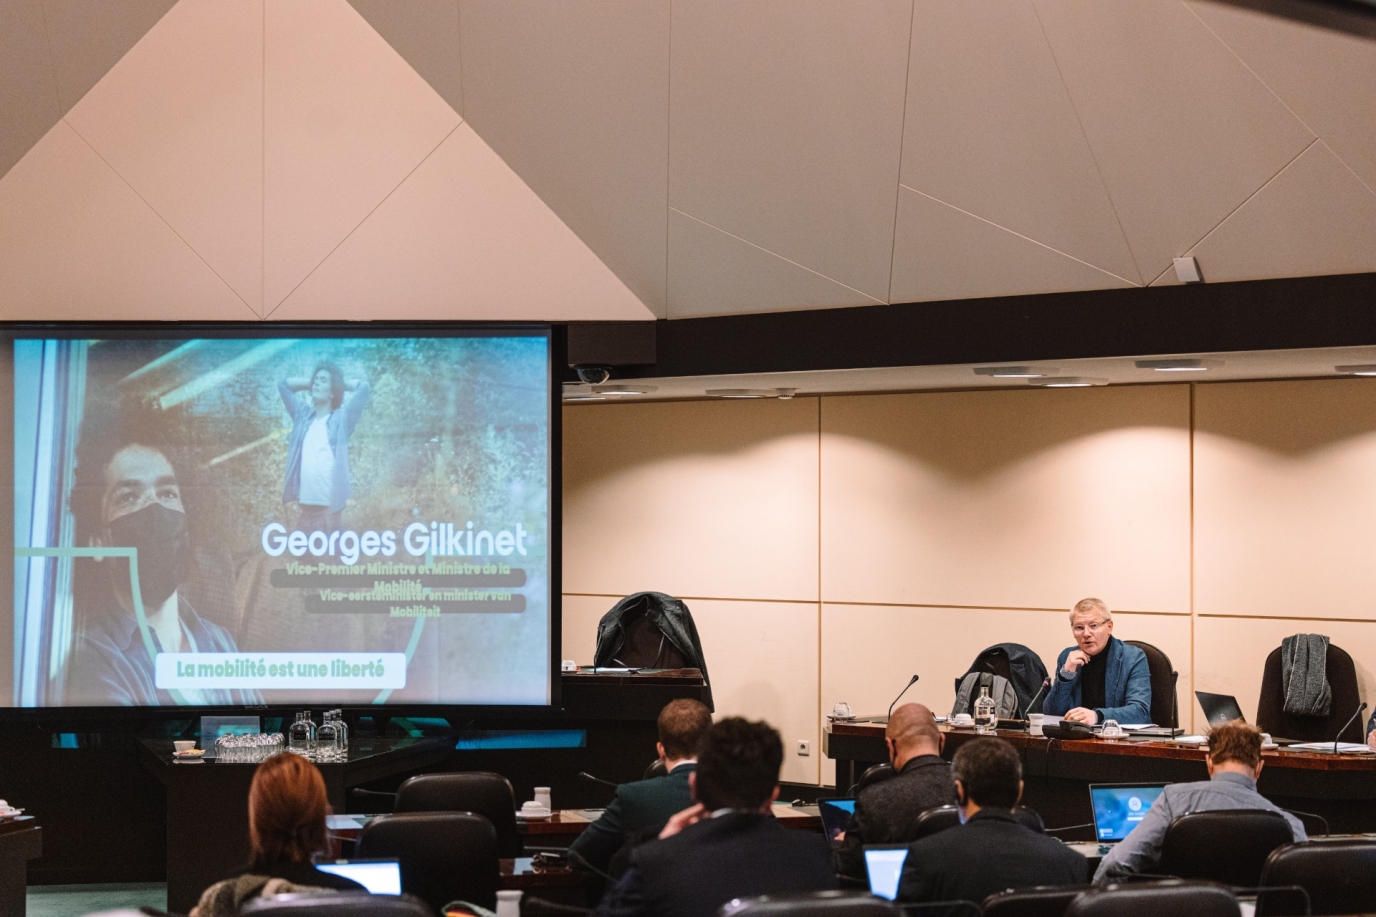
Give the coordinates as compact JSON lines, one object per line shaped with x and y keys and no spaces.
{"x":1085,"y":606}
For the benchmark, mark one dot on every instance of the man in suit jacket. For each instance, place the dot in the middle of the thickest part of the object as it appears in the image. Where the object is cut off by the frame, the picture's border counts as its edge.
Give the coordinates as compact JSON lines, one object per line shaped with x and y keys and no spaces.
{"x":728,"y":845}
{"x":990,"y":851}
{"x":886,"y":813}
{"x":1100,"y":678}
{"x":642,"y":808}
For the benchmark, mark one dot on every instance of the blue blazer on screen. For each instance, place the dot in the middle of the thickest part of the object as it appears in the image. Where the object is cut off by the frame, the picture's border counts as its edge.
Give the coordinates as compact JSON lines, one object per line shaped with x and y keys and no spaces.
{"x":1127,"y":685}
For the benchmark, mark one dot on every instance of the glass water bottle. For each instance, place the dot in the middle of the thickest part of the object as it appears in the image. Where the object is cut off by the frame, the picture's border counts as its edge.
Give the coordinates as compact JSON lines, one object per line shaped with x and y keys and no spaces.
{"x":299,"y":735}
{"x":341,"y":732}
{"x":986,"y":712}
{"x":325,"y":739}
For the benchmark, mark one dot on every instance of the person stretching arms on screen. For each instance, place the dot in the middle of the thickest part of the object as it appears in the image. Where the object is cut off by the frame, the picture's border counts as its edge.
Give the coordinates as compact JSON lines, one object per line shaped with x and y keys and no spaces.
{"x":318,"y":450}
{"x":126,"y":493}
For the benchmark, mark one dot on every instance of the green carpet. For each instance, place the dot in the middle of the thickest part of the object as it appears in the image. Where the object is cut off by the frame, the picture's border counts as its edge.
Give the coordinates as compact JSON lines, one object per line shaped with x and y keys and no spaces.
{"x":75,"y":900}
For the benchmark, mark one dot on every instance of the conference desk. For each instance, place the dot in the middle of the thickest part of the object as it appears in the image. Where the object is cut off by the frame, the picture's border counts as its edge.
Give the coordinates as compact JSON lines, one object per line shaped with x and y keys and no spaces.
{"x":1340,"y":788}
{"x":21,"y":840}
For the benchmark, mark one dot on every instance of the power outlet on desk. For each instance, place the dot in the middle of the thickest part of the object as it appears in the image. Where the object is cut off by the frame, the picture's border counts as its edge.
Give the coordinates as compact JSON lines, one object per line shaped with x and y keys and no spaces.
{"x":804,"y":747}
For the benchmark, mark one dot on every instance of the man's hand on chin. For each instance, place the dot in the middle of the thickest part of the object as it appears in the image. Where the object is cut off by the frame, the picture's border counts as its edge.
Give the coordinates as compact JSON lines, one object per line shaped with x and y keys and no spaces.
{"x":1082,"y":715}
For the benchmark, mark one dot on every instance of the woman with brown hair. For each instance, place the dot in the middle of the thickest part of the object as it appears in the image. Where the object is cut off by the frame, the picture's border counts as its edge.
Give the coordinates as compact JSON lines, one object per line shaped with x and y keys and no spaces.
{"x":286,"y":827}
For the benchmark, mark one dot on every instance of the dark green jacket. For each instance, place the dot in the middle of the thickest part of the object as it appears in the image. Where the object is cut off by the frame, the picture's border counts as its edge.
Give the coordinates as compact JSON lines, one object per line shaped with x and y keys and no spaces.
{"x":637,"y":808}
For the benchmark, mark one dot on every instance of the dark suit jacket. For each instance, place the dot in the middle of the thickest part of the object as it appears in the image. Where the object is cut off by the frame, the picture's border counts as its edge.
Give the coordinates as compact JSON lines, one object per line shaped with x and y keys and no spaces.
{"x":736,"y":855}
{"x":637,"y":808}
{"x":886,"y":813}
{"x":988,"y":854}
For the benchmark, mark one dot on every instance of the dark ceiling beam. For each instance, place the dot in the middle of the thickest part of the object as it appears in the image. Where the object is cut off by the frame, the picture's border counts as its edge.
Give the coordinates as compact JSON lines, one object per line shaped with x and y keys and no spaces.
{"x":1355,"y":17}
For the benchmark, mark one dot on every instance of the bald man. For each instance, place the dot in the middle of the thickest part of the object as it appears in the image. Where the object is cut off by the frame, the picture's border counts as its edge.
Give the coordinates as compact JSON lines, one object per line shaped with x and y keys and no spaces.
{"x":886,"y":812}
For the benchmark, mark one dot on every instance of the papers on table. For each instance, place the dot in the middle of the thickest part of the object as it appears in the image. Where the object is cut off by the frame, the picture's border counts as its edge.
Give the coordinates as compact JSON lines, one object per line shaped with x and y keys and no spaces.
{"x":1344,"y":748}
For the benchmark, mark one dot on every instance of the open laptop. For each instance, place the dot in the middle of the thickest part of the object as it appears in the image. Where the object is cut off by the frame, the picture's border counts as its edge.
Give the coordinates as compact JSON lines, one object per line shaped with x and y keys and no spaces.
{"x":884,"y":862}
{"x":836,"y":815}
{"x":380,"y":877}
{"x":1120,"y":807}
{"x":1219,"y":708}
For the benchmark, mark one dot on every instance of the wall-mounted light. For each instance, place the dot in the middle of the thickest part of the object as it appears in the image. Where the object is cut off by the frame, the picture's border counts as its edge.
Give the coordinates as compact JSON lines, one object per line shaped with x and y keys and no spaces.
{"x":1358,"y":369}
{"x":584,"y":397}
{"x":623,"y":388}
{"x":1016,"y":372}
{"x":1067,"y":382}
{"x":1179,"y":365}
{"x":740,"y":393}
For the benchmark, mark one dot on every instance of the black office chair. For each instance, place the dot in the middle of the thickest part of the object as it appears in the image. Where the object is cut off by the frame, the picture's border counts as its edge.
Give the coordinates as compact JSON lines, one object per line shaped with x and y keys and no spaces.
{"x":485,"y":793}
{"x":934,"y":820}
{"x":341,"y":904}
{"x":812,"y":904}
{"x":1042,"y":901}
{"x":1342,"y":682}
{"x":875,"y":773}
{"x":1222,"y":845}
{"x":1339,"y":877}
{"x":1029,"y":818}
{"x":1156,"y":899}
{"x":656,"y":769}
{"x":1165,"y":711}
{"x":445,"y":856}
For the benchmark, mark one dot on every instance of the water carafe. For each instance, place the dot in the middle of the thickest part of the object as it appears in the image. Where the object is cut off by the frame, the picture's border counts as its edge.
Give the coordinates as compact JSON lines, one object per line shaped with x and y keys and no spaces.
{"x":986,"y":712}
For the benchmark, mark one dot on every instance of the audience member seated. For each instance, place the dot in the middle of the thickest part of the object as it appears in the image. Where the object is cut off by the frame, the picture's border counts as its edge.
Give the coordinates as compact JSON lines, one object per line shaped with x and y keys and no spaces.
{"x":886,"y":813}
{"x":728,"y":845}
{"x":640,"y":810}
{"x":1234,"y":762}
{"x":1100,"y":678}
{"x":286,"y":827}
{"x":990,"y":851}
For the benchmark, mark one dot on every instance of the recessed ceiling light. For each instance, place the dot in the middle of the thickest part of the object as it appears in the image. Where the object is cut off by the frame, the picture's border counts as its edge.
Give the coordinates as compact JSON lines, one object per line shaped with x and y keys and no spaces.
{"x":1067,"y":382}
{"x":623,"y":388}
{"x":1359,"y":369}
{"x":1179,"y":365}
{"x":1015,"y":372}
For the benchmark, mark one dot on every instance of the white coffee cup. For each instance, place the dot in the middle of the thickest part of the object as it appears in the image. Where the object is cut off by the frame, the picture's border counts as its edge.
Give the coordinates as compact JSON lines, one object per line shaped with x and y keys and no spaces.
{"x":509,"y":902}
{"x":963,"y":719}
{"x":1035,"y":722}
{"x":184,"y":744}
{"x":533,"y":809}
{"x":841,"y":710}
{"x":542,"y":797}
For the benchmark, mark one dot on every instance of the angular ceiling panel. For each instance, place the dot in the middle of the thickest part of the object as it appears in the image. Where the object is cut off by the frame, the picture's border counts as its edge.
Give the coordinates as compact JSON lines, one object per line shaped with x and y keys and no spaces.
{"x":87,"y":39}
{"x":942,"y":253}
{"x":28,"y":96}
{"x":786,"y":127}
{"x":463,"y":238}
{"x":712,"y":273}
{"x":426,"y":34}
{"x":180,"y":118}
{"x":1316,"y":217}
{"x":1326,"y":77}
{"x":345,"y":121}
{"x":1182,"y":131}
{"x":574,"y":96}
{"x":991,"y":130}
{"x":76,"y":243}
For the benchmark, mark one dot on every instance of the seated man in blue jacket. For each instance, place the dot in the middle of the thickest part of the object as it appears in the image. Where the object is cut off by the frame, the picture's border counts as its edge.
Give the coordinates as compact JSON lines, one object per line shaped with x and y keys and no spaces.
{"x":1100,"y":678}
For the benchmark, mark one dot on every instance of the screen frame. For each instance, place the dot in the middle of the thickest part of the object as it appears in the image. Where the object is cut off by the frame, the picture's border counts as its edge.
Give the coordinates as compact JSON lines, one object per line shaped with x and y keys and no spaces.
{"x":555,"y":335}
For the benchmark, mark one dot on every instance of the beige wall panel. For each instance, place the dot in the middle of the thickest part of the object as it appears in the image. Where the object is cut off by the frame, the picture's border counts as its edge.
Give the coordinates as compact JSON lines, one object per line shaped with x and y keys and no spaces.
{"x":581,"y":614}
{"x":1011,"y":499}
{"x":696,"y":498}
{"x":1284,"y":498}
{"x":1230,"y":654}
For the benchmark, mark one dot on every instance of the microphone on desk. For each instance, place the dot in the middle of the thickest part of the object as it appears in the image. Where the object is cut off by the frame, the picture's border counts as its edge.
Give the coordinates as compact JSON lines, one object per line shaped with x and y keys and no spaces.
{"x":1046,"y":683}
{"x":584,"y":775}
{"x":1356,"y":714}
{"x":912,"y":681}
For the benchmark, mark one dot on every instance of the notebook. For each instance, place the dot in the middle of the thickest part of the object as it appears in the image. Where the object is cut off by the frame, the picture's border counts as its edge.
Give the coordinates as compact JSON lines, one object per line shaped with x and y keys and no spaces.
{"x":836,"y":815}
{"x":885,"y":867}
{"x":1119,"y":807}
{"x":380,"y":877}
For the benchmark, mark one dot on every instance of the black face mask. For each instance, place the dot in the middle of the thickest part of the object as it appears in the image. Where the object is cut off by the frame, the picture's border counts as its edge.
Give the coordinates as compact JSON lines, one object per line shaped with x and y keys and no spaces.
{"x":164,"y":547}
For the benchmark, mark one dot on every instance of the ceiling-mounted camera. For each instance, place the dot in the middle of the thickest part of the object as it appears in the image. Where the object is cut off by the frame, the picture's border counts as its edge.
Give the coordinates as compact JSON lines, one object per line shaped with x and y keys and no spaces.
{"x":593,"y":375}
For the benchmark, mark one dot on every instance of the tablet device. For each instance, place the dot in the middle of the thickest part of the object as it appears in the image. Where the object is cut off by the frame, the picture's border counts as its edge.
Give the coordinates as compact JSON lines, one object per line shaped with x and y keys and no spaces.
{"x":380,"y":877}
{"x":836,"y":815}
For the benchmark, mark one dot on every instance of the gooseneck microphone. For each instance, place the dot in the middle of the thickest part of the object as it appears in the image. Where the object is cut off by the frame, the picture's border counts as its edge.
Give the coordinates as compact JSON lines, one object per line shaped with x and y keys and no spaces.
{"x":1046,"y":683}
{"x":1356,"y":714}
{"x":912,"y":681}
{"x":584,"y":775}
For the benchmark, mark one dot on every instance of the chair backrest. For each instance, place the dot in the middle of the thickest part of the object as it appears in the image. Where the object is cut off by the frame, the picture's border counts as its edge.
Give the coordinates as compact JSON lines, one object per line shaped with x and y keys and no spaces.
{"x":934,"y":820}
{"x":489,"y":795}
{"x":1029,"y":818}
{"x":1156,"y":899}
{"x":1340,"y":876}
{"x":445,"y":856}
{"x":1042,"y":901}
{"x":1165,"y":711}
{"x":343,"y":904}
{"x":875,"y":773}
{"x":656,"y":769}
{"x":1224,"y":845}
{"x":1342,"y":682}
{"x":814,"y":904}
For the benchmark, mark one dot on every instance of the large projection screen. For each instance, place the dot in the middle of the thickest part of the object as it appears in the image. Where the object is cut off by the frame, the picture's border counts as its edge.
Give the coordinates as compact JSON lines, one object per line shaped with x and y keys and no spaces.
{"x":230,"y":517}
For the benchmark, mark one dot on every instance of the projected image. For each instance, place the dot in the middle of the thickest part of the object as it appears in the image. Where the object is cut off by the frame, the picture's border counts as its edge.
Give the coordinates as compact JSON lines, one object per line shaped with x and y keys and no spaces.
{"x":229,"y":522}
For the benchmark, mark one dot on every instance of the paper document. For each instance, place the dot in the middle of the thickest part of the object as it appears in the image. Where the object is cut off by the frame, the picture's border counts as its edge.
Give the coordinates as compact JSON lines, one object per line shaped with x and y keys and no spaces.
{"x":1345,"y":748}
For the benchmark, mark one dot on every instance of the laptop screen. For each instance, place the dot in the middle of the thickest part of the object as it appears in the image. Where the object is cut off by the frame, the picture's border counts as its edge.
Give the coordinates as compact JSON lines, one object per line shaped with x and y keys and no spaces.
{"x":1118,"y":808}
{"x":836,"y":815}
{"x":1218,"y":708}
{"x":885,"y":866}
{"x":380,"y":877}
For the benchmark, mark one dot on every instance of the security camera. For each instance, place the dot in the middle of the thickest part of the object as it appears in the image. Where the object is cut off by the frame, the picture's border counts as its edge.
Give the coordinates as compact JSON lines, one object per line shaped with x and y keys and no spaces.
{"x":593,"y":375}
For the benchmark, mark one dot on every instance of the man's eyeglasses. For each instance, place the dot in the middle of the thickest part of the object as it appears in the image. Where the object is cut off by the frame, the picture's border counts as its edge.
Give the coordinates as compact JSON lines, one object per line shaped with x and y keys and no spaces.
{"x":1090,"y":628}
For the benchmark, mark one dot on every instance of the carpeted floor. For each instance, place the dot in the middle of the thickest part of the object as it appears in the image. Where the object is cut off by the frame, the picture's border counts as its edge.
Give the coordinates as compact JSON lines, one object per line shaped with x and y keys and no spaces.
{"x":75,"y":900}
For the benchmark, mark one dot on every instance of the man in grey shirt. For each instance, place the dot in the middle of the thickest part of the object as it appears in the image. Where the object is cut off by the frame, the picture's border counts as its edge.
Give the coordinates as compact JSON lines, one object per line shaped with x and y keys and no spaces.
{"x":1234,"y":763}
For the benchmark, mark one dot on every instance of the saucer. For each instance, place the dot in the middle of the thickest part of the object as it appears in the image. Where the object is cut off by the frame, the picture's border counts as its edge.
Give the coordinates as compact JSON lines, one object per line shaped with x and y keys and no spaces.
{"x":189,"y":753}
{"x":541,"y":812}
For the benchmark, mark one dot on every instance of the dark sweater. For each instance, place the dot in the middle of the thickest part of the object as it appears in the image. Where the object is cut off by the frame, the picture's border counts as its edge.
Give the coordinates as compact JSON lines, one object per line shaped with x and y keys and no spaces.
{"x":886,"y":813}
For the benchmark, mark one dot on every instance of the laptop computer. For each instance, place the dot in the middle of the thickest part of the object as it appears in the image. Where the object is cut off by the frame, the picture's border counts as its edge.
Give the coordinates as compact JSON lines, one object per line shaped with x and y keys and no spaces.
{"x":884,"y":863}
{"x":380,"y":877}
{"x":836,"y":815}
{"x":1120,"y":807}
{"x":1219,"y":708}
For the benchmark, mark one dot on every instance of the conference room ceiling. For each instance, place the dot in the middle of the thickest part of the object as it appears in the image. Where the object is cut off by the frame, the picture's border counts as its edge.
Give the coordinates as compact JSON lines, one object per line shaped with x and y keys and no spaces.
{"x":718,"y":157}
{"x":1253,"y":365}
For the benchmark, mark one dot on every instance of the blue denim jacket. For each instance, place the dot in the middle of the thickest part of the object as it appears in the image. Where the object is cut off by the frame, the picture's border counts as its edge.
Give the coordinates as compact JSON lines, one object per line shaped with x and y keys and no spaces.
{"x":1127,"y":685}
{"x":339,"y":425}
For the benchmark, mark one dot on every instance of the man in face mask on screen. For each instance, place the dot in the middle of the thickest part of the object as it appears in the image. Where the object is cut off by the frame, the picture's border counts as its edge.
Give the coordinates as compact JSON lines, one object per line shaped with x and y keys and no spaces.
{"x":127,"y":496}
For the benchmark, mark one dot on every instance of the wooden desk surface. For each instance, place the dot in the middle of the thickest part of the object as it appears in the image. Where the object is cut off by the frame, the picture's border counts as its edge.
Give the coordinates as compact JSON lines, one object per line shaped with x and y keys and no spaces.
{"x":590,"y":675}
{"x":523,"y":872}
